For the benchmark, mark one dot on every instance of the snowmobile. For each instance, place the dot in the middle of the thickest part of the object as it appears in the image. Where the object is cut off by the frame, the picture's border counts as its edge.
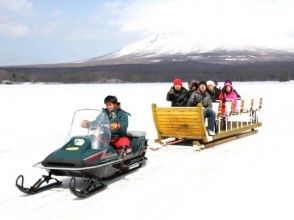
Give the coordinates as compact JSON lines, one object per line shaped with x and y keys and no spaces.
{"x":88,"y":154}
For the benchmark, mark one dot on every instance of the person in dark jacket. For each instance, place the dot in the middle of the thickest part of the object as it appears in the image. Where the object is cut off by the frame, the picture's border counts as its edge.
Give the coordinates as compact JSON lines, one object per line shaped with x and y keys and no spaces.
{"x":178,"y":95}
{"x":212,"y":90}
{"x":118,"y":122}
{"x":201,"y":97}
{"x":193,"y":86}
{"x":215,"y":82}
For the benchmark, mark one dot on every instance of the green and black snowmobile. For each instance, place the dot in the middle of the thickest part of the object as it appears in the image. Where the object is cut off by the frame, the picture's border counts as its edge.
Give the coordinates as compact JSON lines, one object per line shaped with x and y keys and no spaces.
{"x":88,"y":154}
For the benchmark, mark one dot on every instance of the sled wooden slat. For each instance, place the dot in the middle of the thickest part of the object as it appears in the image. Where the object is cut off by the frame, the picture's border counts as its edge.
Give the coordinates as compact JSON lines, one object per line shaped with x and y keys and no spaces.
{"x":177,"y":116}
{"x":176,"y":130}
{"x":182,"y":125}
{"x":178,"y":121}
{"x":184,"y":122}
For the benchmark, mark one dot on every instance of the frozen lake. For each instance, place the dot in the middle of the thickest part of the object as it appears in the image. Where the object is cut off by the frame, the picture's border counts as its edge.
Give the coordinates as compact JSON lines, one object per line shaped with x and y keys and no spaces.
{"x":250,"y":178}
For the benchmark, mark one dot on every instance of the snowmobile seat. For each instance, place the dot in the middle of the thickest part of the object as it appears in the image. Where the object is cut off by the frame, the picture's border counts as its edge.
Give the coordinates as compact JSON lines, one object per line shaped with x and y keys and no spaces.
{"x":136,"y":134}
{"x":137,"y":139}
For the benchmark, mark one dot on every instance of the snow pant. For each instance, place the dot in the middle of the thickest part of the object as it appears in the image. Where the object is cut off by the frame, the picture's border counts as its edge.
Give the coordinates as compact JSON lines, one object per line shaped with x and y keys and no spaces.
{"x":210,"y":115}
{"x":120,"y":142}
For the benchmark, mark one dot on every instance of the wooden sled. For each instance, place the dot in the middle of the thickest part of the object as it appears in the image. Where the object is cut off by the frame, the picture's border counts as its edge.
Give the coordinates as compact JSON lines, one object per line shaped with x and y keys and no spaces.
{"x":188,"y":123}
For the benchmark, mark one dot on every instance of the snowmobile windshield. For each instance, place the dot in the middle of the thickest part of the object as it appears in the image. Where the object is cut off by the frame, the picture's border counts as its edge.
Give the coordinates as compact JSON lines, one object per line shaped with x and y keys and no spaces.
{"x":91,"y":123}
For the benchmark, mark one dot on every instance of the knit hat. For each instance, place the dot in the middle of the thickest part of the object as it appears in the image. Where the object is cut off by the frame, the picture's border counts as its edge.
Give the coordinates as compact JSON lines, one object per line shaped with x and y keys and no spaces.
{"x":228,"y":81}
{"x":210,"y":82}
{"x":202,"y":82}
{"x":228,"y":84}
{"x":178,"y":82}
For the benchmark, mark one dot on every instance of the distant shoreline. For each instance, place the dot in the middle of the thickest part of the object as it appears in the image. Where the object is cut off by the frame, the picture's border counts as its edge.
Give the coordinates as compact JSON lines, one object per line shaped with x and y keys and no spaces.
{"x":159,"y":72}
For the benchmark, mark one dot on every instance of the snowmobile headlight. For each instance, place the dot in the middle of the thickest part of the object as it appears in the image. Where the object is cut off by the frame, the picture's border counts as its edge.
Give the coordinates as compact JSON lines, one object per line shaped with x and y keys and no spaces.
{"x":79,"y":142}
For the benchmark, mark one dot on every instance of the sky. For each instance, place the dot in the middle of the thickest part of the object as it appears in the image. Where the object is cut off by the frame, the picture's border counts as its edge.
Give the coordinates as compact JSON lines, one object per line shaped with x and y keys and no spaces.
{"x":55,"y":31}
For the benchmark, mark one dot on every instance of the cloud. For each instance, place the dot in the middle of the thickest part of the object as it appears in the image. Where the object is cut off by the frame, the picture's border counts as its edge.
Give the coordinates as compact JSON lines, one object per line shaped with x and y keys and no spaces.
{"x":79,"y":35}
{"x":255,"y":22}
{"x":17,"y":6}
{"x":13,"y":29}
{"x":49,"y":29}
{"x":12,"y":20}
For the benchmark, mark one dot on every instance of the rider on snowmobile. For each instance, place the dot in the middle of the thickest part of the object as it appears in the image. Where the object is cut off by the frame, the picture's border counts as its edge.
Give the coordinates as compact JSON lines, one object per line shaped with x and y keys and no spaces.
{"x":118,"y":123}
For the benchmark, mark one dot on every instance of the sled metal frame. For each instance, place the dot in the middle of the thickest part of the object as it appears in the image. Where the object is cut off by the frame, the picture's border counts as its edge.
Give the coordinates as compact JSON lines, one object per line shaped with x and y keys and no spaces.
{"x":188,"y":123}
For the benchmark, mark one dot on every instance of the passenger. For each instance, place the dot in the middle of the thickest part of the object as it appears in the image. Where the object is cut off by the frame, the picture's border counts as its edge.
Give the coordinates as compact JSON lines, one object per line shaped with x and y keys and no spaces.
{"x":201,"y":96}
{"x":229,"y":81}
{"x":212,"y":90}
{"x":215,"y":82}
{"x":178,"y":95}
{"x":228,"y":94}
{"x":118,"y":123}
{"x":193,"y":86}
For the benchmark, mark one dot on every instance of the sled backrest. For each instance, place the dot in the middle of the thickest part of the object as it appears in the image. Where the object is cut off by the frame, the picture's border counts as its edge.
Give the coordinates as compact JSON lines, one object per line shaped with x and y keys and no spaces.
{"x":228,"y":107}
{"x":239,"y":105}
{"x":257,"y":105}
{"x":216,"y":107}
{"x":179,"y":122}
{"x":260,"y":103}
{"x":247,"y":105}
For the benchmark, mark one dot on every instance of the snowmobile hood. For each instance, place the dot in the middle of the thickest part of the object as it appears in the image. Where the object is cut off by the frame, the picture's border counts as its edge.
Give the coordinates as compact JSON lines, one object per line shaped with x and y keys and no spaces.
{"x":77,"y":152}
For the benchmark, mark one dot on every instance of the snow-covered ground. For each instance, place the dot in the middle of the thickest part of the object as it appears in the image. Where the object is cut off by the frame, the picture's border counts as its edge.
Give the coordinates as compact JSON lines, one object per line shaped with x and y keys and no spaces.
{"x":250,"y":178}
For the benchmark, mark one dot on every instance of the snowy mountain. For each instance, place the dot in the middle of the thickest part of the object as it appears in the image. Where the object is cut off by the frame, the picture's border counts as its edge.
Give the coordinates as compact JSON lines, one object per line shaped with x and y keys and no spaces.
{"x":164,"y":56}
{"x":183,"y":46}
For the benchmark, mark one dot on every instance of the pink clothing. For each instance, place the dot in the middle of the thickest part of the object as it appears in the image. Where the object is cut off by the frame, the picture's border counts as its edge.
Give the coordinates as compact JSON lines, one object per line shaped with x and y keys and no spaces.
{"x":231,"y":96}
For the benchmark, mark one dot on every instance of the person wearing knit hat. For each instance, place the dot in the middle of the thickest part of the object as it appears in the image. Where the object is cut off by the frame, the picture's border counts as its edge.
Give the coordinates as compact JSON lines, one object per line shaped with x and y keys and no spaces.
{"x":178,"y":95}
{"x":210,"y":83}
{"x":228,"y":94}
{"x":178,"y":82}
{"x":202,"y":98}
{"x":212,"y":90}
{"x":230,"y":82}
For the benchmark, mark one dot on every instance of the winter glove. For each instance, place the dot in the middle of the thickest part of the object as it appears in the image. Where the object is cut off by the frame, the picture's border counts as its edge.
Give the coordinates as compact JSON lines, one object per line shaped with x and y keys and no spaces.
{"x":171,"y":91}
{"x":114,"y":126}
{"x":85,"y":124}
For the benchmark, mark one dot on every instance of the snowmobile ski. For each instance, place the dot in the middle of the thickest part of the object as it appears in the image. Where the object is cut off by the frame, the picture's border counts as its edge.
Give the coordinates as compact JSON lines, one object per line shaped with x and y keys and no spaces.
{"x":90,"y":186}
{"x":37,"y":187}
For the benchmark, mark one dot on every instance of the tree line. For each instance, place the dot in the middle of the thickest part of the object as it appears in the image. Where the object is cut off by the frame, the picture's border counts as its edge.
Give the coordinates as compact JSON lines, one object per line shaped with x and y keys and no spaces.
{"x":159,"y":72}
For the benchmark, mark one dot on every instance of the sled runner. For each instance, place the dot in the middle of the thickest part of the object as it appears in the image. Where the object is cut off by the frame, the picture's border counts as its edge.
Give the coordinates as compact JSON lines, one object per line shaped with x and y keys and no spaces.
{"x":88,"y":154}
{"x":188,"y":123}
